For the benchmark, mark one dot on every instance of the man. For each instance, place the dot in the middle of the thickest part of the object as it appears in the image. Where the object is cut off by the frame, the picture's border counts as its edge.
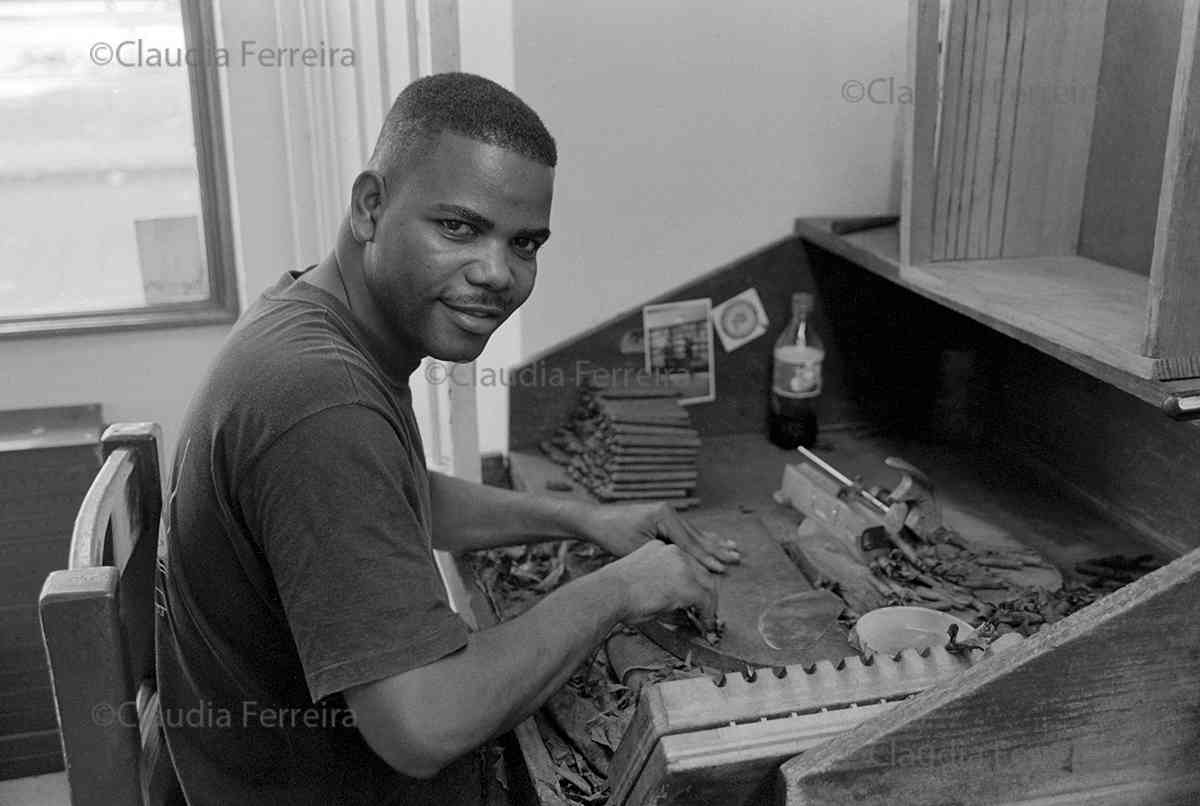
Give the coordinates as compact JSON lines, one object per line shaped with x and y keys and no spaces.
{"x":306,"y":651}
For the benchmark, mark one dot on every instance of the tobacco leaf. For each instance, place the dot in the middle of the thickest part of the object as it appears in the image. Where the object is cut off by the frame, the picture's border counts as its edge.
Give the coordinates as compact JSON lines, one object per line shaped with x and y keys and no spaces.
{"x":607,"y":729}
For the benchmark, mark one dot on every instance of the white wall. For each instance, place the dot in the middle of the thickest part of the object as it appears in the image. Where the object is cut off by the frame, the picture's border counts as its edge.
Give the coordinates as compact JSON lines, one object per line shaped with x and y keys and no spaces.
{"x":486,"y":40}
{"x":693,"y":133}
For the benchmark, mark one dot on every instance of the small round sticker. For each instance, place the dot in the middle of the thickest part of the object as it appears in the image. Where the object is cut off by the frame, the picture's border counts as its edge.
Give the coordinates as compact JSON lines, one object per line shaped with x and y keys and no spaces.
{"x":739,"y":319}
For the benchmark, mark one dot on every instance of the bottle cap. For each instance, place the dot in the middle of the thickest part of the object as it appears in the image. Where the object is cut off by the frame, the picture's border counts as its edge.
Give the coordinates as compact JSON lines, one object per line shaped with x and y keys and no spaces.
{"x":802,"y":301}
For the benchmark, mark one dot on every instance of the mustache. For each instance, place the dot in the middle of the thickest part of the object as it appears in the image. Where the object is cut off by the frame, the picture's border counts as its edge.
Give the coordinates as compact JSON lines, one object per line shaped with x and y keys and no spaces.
{"x":482,"y":300}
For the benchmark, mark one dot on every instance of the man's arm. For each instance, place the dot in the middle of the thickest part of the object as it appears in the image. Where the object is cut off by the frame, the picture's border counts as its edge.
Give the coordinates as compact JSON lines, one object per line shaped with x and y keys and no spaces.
{"x":469,"y":516}
{"x":423,"y":719}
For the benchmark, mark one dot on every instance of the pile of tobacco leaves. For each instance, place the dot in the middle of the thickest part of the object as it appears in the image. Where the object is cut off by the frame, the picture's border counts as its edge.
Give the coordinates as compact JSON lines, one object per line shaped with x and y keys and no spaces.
{"x":582,"y":724}
{"x":949,"y":575}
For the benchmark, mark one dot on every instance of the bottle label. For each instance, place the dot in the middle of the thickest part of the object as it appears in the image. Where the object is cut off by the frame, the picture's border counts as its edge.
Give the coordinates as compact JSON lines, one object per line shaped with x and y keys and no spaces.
{"x":797,"y":371}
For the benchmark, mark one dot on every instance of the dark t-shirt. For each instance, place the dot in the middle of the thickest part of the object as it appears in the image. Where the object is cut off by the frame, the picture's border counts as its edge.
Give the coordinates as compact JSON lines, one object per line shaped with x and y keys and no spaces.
{"x":297,"y":563}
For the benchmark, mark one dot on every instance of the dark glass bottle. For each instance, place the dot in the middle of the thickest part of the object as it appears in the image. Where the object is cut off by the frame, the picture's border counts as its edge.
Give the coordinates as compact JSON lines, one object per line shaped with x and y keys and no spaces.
{"x":796,"y":379}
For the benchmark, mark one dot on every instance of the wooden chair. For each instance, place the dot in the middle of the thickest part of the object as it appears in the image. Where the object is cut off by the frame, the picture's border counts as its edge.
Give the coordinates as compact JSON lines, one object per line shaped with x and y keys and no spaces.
{"x":98,"y":628}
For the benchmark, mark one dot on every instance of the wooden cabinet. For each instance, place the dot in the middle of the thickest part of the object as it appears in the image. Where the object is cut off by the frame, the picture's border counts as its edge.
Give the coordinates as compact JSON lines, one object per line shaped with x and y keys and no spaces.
{"x":1051,"y":175}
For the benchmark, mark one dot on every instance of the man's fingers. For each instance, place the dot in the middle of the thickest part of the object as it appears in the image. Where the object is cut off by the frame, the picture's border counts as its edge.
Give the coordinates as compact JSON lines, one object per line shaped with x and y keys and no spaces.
{"x":708,"y":608}
{"x":708,"y":548}
{"x":721,"y":548}
{"x":710,"y":616}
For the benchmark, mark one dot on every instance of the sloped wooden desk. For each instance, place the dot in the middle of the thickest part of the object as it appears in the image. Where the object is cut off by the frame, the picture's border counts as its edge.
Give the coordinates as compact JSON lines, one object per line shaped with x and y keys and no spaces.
{"x":739,"y":472}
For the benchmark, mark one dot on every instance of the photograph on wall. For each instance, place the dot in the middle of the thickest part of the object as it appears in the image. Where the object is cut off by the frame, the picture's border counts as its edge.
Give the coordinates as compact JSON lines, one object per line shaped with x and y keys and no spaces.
{"x":679,"y":347}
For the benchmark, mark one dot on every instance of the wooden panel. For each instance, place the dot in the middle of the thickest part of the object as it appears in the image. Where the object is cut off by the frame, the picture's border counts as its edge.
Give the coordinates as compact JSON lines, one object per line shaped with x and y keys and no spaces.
{"x":24,"y":565}
{"x":736,"y":765}
{"x":920,"y":132}
{"x":703,"y":719}
{"x":1083,"y":434}
{"x":1007,"y":89}
{"x":994,"y":36}
{"x":1100,"y":708}
{"x":951,"y":142}
{"x":54,"y":426}
{"x":1018,"y":97}
{"x":28,"y":711}
{"x":544,"y":390}
{"x":1129,"y":136}
{"x":1174,"y":325}
{"x":28,"y":754}
{"x":80,"y":619}
{"x":1060,"y":69}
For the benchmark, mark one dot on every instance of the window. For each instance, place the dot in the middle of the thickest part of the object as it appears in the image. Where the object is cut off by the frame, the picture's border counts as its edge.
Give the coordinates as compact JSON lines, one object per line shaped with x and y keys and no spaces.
{"x":114,"y":202}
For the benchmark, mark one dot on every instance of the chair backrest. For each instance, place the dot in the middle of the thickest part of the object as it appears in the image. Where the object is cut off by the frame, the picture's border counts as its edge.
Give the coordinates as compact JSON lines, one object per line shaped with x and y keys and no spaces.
{"x":98,"y":628}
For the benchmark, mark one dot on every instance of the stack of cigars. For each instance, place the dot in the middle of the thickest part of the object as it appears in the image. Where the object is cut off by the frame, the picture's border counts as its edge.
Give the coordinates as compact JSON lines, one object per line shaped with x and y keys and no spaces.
{"x":630,"y":443}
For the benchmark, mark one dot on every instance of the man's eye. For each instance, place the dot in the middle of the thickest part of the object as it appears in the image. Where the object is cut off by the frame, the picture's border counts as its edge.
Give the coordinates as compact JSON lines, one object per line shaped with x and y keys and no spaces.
{"x":526,"y":247}
{"x":452,"y":226}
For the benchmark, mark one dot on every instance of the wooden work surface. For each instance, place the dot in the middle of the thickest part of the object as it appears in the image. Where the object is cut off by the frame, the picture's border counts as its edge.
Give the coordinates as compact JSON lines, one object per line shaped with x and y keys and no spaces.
{"x":985,"y":498}
{"x":991,"y":500}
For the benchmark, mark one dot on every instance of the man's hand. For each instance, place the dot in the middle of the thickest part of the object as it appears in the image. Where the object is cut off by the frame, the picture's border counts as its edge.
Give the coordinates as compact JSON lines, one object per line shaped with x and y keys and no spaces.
{"x":623,"y":529}
{"x":657,"y":578}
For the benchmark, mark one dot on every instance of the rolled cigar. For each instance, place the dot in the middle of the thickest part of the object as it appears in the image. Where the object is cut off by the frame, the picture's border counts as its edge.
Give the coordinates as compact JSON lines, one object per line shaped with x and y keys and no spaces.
{"x":982,"y":584}
{"x":632,"y":393}
{"x":620,"y":495}
{"x":669,"y":435}
{"x":671,"y":476}
{"x":668,"y":484}
{"x":654,"y":455}
{"x":997,"y":561}
{"x":667,"y":403}
{"x":644,"y":421}
{"x":647,"y":415}
{"x":658,"y":471}
{"x":652,"y":430}
{"x":672,"y":414}
{"x":649,"y":462}
{"x":660,"y":450}
{"x":554,"y":453}
{"x":640,"y":440}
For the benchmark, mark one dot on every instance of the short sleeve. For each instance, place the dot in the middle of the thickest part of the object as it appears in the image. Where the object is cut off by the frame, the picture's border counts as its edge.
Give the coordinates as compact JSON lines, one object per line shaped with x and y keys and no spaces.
{"x":334,"y":504}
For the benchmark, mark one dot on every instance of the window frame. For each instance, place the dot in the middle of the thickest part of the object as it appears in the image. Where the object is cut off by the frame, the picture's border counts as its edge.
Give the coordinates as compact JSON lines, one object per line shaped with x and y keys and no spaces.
{"x":221,"y":307}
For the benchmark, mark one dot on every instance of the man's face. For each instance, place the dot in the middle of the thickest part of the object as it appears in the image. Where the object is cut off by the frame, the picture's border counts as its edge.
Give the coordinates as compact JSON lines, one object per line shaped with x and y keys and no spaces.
{"x":454,"y":251}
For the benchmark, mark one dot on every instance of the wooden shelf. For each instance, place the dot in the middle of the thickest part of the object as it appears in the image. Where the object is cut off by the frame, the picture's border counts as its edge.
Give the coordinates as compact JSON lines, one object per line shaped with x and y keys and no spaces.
{"x":1090,"y":315}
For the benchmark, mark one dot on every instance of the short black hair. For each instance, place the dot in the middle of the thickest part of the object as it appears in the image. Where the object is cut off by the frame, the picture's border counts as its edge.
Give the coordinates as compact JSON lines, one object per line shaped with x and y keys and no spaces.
{"x":465,"y":104}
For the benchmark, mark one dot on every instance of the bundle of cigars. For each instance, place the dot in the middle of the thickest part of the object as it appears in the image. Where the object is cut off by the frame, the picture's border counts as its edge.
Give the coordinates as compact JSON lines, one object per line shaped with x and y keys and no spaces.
{"x":630,"y":442}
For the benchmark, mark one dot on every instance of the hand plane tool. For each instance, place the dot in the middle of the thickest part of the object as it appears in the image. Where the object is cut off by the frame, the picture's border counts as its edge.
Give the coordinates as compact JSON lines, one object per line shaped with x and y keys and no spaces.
{"x":866,"y":521}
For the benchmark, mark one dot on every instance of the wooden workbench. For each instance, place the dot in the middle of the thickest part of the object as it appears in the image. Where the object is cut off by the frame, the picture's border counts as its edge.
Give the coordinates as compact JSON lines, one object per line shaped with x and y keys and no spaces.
{"x":1028,"y":446}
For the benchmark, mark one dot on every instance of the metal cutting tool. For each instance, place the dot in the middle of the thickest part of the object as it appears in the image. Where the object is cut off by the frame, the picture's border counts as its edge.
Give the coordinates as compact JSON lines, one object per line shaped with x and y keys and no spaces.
{"x":866,"y":521}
